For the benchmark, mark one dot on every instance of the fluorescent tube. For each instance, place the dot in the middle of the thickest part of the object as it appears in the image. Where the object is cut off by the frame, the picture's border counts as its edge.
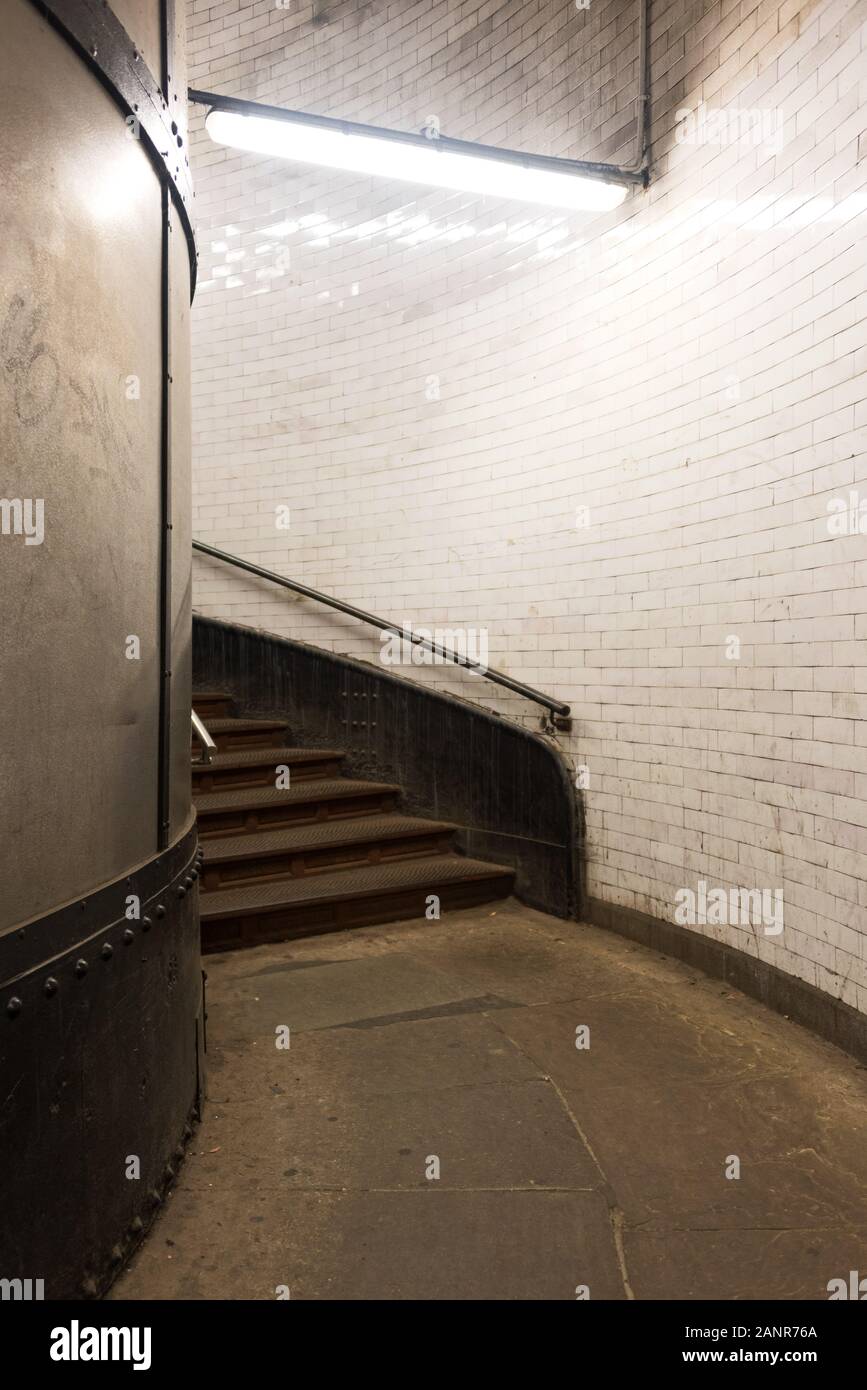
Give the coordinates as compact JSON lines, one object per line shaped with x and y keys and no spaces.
{"x":424,"y":161}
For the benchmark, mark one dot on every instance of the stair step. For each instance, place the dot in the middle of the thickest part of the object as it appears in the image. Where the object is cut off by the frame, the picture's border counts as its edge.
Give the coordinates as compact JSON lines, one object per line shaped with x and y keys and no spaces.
{"x":230,"y":734}
{"x":299,"y":851}
{"x":212,"y":703}
{"x":246,"y":809}
{"x":251,"y":767}
{"x":326,"y":902}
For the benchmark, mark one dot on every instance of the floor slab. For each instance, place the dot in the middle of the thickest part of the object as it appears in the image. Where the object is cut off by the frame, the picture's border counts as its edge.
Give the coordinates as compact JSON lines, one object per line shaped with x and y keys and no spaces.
{"x":433,"y":1132}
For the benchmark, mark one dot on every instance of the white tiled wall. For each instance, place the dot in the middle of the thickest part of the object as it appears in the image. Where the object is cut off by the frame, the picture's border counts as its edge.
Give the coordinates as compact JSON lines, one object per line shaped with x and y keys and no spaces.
{"x":434,"y":384}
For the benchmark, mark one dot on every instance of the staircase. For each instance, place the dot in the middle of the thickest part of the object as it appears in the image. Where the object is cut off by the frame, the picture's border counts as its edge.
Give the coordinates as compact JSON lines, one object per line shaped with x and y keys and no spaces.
{"x":324,"y":853}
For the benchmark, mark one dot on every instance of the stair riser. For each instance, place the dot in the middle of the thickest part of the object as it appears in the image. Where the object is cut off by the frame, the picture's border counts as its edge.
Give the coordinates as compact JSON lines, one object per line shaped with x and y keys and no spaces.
{"x":215,"y":707}
{"x":270,"y":868}
{"x":230,"y":933}
{"x":226,"y":779}
{"x":232,"y":822}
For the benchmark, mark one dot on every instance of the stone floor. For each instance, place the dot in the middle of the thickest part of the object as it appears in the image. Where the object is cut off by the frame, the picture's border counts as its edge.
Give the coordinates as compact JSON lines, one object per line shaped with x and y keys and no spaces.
{"x":560,"y":1168}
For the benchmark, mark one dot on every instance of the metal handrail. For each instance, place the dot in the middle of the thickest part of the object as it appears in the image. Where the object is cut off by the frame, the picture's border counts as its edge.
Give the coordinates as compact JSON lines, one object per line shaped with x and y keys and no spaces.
{"x":209,"y":747}
{"x":527,"y":691}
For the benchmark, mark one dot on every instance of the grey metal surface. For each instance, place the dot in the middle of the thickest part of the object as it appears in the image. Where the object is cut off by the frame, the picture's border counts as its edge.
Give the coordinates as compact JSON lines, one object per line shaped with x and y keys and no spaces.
{"x":101,"y":1043}
{"x":80,"y":376}
{"x":181,"y":602}
{"x":79,"y":318}
{"x":153,"y":107}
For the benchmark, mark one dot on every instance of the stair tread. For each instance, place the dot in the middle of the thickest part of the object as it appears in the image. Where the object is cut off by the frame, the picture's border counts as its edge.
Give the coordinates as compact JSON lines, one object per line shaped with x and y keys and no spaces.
{"x":355,"y":883}
{"x":251,"y":757}
{"x":301,"y":837}
{"x":228,"y":725}
{"x":312,"y":789}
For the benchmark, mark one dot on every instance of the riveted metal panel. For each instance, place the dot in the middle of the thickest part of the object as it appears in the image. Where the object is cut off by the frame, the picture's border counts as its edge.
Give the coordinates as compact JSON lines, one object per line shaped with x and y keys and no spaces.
{"x":98,"y":1054}
{"x":100,"y":980}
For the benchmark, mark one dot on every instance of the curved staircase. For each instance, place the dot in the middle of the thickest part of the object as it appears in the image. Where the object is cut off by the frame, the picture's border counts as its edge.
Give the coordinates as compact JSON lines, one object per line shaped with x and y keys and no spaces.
{"x":324,"y":852}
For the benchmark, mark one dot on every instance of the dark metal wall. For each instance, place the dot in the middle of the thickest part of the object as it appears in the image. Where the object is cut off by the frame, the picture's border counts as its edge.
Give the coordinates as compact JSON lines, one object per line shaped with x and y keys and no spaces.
{"x":508,"y":789}
{"x":99,"y":1010}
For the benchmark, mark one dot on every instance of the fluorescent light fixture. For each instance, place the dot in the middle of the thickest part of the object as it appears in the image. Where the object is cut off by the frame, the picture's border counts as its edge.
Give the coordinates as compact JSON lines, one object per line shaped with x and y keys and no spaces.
{"x":439,"y":163}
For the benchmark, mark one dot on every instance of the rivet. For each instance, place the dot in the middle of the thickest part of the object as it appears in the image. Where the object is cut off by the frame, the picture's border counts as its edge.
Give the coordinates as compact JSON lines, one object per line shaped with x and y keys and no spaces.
{"x":146,"y":923}
{"x":136,"y":1225}
{"x":179,"y":1153}
{"x":188,"y":1131}
{"x":181,"y":891}
{"x":155,"y":1198}
{"x":116,"y":1254}
{"x":194,"y":875}
{"x":88,"y":1288}
{"x":13,"y":1008}
{"x":129,"y":935}
{"x":168,"y":1172}
{"x":107,"y":951}
{"x":160,"y":910}
{"x":189,"y":880}
{"x":50,"y":986}
{"x":81,"y":968}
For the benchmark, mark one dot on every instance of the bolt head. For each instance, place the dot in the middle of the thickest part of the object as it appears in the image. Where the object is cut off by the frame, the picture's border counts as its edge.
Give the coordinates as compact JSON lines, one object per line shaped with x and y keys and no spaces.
{"x":107,"y":951}
{"x":50,"y":987}
{"x":81,"y":968}
{"x":13,"y":1008}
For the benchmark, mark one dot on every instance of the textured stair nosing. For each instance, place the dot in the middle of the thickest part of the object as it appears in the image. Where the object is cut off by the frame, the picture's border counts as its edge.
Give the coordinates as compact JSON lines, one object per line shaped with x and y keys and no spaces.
{"x":230,"y":758}
{"x":350,"y":884}
{"x":235,"y":724}
{"x":312,"y":789}
{"x":333,"y":834}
